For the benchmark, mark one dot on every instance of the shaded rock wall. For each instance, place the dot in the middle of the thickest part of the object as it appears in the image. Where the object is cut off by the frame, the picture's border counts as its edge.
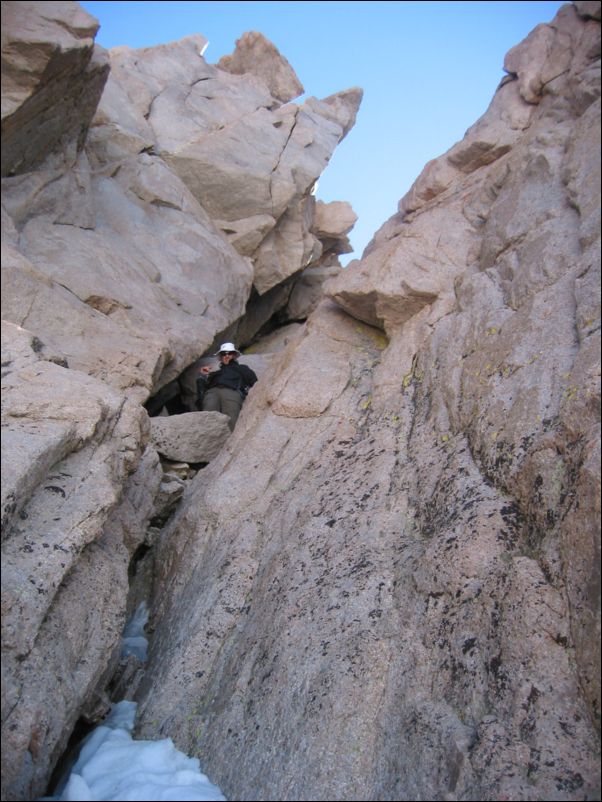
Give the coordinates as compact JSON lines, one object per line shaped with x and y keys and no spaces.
{"x":51,"y":71}
{"x":387,"y":584}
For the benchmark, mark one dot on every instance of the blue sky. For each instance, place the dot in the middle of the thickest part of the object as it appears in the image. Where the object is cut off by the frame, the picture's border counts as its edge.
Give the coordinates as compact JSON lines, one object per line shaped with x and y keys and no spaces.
{"x":428,"y":71}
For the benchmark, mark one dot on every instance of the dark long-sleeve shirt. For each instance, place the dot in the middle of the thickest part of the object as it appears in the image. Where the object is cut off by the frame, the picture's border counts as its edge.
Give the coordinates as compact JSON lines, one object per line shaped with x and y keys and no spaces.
{"x":234,"y":376}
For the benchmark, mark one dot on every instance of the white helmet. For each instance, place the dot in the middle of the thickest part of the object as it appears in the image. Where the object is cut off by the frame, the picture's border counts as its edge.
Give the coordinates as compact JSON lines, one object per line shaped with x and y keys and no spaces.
{"x":226,"y":347}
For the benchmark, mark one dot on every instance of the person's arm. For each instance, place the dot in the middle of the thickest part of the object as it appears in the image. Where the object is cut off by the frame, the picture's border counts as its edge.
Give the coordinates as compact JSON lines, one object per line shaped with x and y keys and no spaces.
{"x":249,"y":375}
{"x":204,"y":381}
{"x":209,"y":374}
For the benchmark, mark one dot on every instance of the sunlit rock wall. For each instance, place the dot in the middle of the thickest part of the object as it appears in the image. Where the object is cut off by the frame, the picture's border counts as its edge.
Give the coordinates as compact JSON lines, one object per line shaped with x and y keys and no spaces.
{"x":387,"y":585}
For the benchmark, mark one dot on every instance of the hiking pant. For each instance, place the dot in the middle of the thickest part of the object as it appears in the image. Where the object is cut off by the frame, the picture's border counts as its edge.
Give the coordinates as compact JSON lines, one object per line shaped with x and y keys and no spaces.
{"x":224,"y":400}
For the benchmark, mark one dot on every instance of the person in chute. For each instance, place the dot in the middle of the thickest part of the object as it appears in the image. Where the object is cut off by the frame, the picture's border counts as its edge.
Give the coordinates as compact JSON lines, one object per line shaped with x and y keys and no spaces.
{"x":224,"y":390}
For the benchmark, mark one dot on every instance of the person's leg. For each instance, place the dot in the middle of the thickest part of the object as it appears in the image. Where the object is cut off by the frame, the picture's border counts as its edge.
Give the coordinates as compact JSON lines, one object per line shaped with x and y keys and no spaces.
{"x":212,"y":401}
{"x":231,"y":404}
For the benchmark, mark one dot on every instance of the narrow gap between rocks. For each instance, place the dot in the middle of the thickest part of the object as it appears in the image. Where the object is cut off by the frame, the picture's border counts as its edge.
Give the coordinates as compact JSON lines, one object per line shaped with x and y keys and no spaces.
{"x":174,"y":398}
{"x":249,"y":333}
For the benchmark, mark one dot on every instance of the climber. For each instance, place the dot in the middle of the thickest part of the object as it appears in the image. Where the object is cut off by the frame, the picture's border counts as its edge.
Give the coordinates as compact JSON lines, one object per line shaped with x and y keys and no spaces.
{"x":225,"y":389}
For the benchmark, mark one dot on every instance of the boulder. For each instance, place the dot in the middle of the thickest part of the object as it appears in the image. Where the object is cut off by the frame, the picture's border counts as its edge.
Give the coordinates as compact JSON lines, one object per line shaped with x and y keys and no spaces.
{"x":191,"y":437}
{"x":257,"y":55}
{"x":248,"y":160}
{"x":52,"y":79}
{"x":333,"y":220}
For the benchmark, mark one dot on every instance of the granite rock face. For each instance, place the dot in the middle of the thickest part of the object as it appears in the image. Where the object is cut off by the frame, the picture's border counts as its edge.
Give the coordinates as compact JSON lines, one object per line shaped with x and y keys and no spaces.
{"x":77,"y":494}
{"x":118,"y":274}
{"x":386,"y":586}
